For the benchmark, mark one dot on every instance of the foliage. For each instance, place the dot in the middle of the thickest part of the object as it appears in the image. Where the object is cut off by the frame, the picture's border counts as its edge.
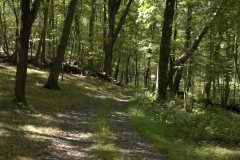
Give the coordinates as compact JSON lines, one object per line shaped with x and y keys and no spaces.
{"x":201,"y":134}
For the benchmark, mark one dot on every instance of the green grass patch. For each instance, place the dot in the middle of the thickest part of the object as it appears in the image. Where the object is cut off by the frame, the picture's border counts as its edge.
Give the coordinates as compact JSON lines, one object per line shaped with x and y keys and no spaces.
{"x":203,"y":134}
{"x":103,"y":134}
{"x":24,"y":131}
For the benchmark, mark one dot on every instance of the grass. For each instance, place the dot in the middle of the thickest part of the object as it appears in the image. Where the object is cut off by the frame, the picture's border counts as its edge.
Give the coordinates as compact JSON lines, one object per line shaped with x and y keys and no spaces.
{"x":103,"y":135}
{"x":211,"y":134}
{"x":203,"y":134}
{"x":24,"y":132}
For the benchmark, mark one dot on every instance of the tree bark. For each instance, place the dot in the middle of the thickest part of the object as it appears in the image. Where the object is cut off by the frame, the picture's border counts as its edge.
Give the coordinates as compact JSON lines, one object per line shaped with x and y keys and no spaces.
{"x":112,"y":33}
{"x":117,"y":66}
{"x":42,"y":42}
{"x":127,"y":70}
{"x":176,"y":83}
{"x":136,"y":80}
{"x":188,"y":34}
{"x":16,"y":35}
{"x":28,"y":16}
{"x":35,"y":63}
{"x":226,"y":90}
{"x":147,"y":73}
{"x":52,"y":82}
{"x":91,"y":24}
{"x":4,"y":30}
{"x":165,"y":49}
{"x":235,"y":56}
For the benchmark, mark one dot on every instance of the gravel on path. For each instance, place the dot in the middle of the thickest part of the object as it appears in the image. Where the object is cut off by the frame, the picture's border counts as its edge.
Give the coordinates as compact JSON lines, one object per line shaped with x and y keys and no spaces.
{"x":75,"y":140}
{"x":133,"y":146}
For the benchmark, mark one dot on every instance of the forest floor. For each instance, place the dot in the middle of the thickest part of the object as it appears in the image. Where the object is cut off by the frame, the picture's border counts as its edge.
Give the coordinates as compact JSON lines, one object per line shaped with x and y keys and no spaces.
{"x":77,"y":141}
{"x":86,"y":119}
{"x":89,"y":118}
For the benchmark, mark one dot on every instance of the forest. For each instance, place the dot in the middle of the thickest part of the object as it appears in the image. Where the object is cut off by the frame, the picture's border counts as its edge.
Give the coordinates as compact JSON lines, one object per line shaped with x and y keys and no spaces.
{"x":175,"y":62}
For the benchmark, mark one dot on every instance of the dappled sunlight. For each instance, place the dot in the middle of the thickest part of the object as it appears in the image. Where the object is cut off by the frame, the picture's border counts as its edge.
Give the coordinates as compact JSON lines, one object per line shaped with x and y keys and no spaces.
{"x":108,"y":151}
{"x":217,"y":152}
{"x":137,"y":113}
{"x":40,"y":72}
{"x":23,"y":158}
{"x":122,"y":100}
{"x":40,"y":129}
{"x":55,"y":124}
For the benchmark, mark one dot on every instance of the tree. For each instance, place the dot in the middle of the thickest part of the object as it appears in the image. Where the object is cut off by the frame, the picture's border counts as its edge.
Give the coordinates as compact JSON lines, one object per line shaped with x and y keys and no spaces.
{"x":189,"y":52}
{"x":28,"y":16}
{"x":188,"y":31}
{"x":42,"y":41}
{"x":112,"y":33}
{"x":52,"y":82}
{"x":4,"y":30}
{"x":165,"y":50}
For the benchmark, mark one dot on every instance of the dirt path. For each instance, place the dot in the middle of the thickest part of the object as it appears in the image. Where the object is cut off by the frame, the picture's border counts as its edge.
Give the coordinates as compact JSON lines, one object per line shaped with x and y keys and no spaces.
{"x":133,"y":146}
{"x":75,"y":141}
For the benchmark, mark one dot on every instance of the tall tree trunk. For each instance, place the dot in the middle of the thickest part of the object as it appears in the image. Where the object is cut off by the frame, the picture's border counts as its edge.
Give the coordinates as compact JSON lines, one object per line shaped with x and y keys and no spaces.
{"x":52,"y":24}
{"x":136,"y":81}
{"x":52,"y":82}
{"x":147,"y":73}
{"x":104,"y":29}
{"x":165,"y":49}
{"x":91,"y":32}
{"x":91,"y":24}
{"x":177,"y":79}
{"x":235,"y":56}
{"x":186,"y":45}
{"x":78,"y":39}
{"x":42,"y":42}
{"x":117,"y":66}
{"x":127,"y":70}
{"x":209,"y":76}
{"x":28,"y":16}
{"x":35,"y":63}
{"x":188,"y":36}
{"x":112,"y":33}
{"x":16,"y":34}
{"x":226,"y":90}
{"x":44,"y":31}
{"x":4,"y":30}
{"x":172,"y":58}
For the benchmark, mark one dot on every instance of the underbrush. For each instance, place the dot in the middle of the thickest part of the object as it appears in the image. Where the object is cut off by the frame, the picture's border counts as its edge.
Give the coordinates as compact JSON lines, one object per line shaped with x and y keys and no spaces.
{"x":211,"y":133}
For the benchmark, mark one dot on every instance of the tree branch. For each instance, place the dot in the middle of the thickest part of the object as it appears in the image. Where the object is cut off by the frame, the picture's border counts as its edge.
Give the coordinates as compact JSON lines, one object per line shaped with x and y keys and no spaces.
{"x":122,"y":19}
{"x":187,"y":54}
{"x":34,"y":10}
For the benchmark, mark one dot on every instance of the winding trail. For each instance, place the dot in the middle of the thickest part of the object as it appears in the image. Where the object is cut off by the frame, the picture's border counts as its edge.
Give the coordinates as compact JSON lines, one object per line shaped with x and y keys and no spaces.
{"x":75,"y":140}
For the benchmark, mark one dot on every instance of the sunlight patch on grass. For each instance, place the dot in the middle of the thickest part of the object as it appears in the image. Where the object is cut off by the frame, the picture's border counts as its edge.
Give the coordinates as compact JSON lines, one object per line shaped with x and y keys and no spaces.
{"x":40,"y":72}
{"x":108,"y":151}
{"x":40,"y":130}
{"x":23,"y":158}
{"x":135,"y":112}
{"x":217,"y":153}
